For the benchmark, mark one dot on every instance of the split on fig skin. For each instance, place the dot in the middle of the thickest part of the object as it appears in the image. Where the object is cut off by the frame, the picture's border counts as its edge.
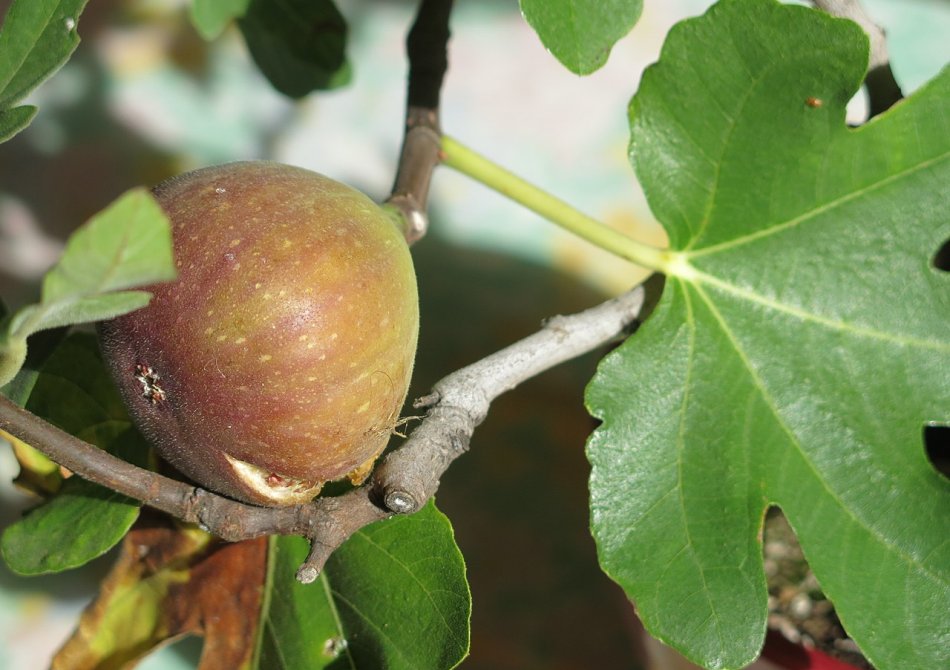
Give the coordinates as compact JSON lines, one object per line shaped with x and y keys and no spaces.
{"x":281,"y":356}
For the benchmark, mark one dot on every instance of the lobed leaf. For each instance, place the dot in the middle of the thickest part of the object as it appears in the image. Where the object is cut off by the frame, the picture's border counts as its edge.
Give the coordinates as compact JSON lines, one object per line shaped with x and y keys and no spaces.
{"x":299,"y":45}
{"x":799,"y":348}
{"x":211,"y":17}
{"x":73,"y":391}
{"x":581,"y":33}
{"x":393,"y":596}
{"x":37,"y":37}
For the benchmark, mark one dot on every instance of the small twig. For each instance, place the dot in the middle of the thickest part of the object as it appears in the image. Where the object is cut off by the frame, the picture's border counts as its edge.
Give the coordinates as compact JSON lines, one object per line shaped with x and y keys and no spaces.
{"x":408,"y":476}
{"x":883,"y":90}
{"x":403,"y":481}
{"x":426,"y":46}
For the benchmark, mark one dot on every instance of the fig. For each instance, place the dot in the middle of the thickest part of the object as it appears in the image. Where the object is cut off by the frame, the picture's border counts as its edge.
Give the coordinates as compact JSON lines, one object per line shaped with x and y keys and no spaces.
{"x":280,"y":357}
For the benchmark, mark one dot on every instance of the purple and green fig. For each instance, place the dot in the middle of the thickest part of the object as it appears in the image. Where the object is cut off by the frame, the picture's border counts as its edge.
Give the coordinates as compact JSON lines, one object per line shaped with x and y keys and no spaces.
{"x":280,"y":357}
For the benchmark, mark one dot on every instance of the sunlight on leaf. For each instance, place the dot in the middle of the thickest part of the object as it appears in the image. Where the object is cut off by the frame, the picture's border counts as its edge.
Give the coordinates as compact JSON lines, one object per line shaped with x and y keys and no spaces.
{"x":126,"y":245}
{"x":14,"y":120}
{"x":800,"y":346}
{"x":581,"y":33}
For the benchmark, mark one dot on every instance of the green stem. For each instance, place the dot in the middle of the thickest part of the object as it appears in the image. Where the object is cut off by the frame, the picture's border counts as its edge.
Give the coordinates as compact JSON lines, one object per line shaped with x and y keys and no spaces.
{"x":557,"y":211}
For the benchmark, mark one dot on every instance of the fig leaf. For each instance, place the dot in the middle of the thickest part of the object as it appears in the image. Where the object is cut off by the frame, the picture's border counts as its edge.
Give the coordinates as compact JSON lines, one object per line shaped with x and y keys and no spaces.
{"x":394,"y":595}
{"x":581,"y":33}
{"x":73,"y":391}
{"x":798,"y":351}
{"x":37,"y":37}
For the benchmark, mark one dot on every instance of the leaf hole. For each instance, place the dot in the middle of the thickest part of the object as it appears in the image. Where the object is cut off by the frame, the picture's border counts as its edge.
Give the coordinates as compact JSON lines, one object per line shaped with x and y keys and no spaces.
{"x":942,"y":257}
{"x":799,"y":612}
{"x":937,"y":446}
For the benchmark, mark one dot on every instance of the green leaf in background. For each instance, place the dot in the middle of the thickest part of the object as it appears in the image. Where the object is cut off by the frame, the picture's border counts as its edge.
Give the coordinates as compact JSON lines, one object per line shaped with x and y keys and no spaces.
{"x":38,"y":36}
{"x":581,"y":33}
{"x":800,"y":346}
{"x":126,"y":245}
{"x":37,"y":472}
{"x":42,"y":346}
{"x":74,"y":392}
{"x":393,"y":596}
{"x":211,"y":17}
{"x":299,"y":45}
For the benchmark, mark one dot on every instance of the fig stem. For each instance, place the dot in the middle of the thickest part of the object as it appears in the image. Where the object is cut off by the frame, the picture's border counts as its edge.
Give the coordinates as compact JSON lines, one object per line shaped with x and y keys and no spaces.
{"x":481,"y":169}
{"x":427,"y":53}
{"x":426,"y":48}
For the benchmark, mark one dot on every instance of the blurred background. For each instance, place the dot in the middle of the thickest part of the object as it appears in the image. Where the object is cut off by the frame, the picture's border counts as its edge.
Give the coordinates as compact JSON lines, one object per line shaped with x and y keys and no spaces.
{"x":144,"y":98}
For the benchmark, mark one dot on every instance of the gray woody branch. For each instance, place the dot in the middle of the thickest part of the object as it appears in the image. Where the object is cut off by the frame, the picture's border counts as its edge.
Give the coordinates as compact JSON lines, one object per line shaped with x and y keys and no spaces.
{"x":403,"y":481}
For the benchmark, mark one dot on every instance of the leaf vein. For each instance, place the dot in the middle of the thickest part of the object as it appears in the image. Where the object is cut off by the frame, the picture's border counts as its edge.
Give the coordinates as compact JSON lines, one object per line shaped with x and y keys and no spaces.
{"x":325,"y":581}
{"x":854,"y":329}
{"x":811,"y":215}
{"x":793,"y":440}
{"x":680,"y":443}
{"x":425,"y":589}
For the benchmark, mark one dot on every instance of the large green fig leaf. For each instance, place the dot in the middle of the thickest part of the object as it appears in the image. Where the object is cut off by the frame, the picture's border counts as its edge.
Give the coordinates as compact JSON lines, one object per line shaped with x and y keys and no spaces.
{"x":38,"y":36}
{"x":581,"y":33}
{"x":393,"y":596}
{"x":799,"y":349}
{"x":73,"y":391}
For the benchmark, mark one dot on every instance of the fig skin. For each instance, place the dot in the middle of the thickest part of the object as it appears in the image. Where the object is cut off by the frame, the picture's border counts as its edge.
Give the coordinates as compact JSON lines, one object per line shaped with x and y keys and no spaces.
{"x":281,"y":356}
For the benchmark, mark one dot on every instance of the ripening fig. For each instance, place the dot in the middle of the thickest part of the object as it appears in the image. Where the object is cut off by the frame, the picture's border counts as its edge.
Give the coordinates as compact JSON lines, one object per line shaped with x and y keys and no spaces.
{"x":280,"y":357}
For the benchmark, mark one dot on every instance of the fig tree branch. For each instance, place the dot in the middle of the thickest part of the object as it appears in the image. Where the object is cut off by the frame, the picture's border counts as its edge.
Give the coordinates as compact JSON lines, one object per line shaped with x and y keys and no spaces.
{"x":426,"y":47}
{"x":883,"y":90}
{"x":406,"y":478}
{"x":403,"y":481}
{"x":221,"y":516}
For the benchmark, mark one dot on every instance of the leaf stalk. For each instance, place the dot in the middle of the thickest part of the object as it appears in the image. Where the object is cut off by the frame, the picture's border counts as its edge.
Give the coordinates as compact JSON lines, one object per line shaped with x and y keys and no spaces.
{"x":481,"y":169}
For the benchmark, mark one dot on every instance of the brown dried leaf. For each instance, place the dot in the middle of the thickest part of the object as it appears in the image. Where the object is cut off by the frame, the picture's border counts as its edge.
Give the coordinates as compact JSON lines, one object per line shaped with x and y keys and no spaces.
{"x":171,"y":581}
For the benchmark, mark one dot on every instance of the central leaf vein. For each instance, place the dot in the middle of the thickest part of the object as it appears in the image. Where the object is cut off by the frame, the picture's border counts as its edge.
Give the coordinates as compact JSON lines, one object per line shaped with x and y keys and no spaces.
{"x":680,"y":445}
{"x":335,"y":613}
